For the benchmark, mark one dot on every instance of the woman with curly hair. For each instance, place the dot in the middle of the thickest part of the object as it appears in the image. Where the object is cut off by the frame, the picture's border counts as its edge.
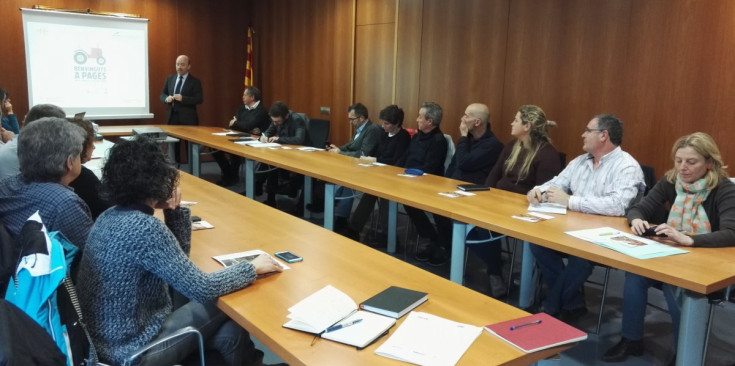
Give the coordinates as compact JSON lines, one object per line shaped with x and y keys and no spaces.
{"x":132,"y":258}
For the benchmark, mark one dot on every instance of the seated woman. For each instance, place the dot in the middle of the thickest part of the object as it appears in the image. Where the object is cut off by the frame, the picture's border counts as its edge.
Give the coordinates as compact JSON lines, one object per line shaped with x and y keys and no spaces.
{"x":9,"y":119}
{"x":702,"y":201}
{"x":131,"y":258}
{"x":87,"y":185}
{"x":393,"y":144}
{"x":529,"y":161}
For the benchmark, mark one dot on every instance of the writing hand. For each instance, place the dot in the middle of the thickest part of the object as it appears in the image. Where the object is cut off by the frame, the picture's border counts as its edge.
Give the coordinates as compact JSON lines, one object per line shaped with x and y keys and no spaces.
{"x":535,"y":196}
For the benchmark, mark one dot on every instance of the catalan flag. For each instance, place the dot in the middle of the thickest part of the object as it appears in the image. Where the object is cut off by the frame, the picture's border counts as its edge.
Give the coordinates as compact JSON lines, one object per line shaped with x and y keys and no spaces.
{"x":249,"y":59}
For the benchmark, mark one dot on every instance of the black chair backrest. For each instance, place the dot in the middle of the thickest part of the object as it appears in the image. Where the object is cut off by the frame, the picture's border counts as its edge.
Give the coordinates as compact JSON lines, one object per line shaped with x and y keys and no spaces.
{"x":563,"y":159}
{"x":317,"y":133}
{"x":648,"y":177}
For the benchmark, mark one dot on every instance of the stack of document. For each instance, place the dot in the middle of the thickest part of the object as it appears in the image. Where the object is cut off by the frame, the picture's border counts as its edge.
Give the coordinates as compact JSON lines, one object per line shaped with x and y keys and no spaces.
{"x":256,"y":143}
{"x":425,"y":339}
{"x":629,"y":244}
{"x":548,"y":207}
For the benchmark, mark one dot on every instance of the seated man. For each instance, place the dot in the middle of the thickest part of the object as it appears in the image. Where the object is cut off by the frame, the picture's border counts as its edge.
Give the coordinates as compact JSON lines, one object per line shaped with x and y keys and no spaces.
{"x":287,"y":128}
{"x":49,"y":155}
{"x":604,"y":181}
{"x":9,"y":152}
{"x":427,"y":151}
{"x":364,"y":143}
{"x":251,"y":117}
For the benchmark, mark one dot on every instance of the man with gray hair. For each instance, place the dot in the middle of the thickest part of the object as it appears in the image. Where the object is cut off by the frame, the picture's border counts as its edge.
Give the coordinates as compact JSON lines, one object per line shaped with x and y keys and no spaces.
{"x":427,"y":152}
{"x":49,"y":155}
{"x":9,"y":152}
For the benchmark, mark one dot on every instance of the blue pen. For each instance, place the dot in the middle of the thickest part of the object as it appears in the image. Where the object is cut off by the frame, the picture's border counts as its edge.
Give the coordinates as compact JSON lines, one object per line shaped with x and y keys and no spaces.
{"x":343,"y":325}
{"x":514,"y":327}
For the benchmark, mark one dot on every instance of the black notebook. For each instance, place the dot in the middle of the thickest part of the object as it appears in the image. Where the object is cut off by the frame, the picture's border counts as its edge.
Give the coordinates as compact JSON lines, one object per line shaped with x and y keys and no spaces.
{"x":394,"y":301}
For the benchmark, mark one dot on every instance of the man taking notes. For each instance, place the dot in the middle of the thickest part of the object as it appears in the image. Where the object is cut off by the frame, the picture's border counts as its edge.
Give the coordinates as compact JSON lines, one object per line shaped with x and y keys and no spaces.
{"x":604,"y":181}
{"x":287,"y":128}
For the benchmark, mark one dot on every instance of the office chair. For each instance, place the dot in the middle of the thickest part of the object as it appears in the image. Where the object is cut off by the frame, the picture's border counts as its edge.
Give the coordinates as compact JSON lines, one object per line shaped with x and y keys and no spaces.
{"x":183,"y":332}
{"x":317,"y":133}
{"x":450,"y":151}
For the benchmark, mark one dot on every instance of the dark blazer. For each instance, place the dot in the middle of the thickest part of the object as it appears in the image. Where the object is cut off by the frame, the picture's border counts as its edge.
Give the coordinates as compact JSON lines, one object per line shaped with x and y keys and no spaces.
{"x":291,"y":132}
{"x":366,"y":143}
{"x":248,"y":119}
{"x":191,"y":95}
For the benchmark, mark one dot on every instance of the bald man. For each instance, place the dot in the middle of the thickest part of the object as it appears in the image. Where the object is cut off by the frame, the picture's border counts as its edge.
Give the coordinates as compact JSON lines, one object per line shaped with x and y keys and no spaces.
{"x":477,"y":149}
{"x":182,"y":92}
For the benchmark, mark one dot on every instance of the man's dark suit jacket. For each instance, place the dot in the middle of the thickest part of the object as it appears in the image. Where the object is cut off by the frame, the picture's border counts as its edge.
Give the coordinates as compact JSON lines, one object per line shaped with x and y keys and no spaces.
{"x":291,"y":132}
{"x":364,"y":144}
{"x":191,"y":95}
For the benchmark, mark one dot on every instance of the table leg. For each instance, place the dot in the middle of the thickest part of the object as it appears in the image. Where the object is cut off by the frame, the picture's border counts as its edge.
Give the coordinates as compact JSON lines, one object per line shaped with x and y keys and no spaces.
{"x":307,"y":196}
{"x":249,"y":173}
{"x":456,"y":269}
{"x":693,"y":329}
{"x":527,"y":286}
{"x":329,"y":206}
{"x":392,"y":222}
{"x":194,"y":158}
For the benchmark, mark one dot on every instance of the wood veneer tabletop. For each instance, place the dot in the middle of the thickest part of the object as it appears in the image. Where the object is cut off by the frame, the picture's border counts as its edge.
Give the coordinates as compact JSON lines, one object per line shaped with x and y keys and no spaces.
{"x":703,"y":270}
{"x":359,"y":271}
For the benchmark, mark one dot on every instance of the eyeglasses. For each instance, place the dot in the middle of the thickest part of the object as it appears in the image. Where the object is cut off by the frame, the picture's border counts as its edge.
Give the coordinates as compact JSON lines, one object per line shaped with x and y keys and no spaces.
{"x":588,"y":130}
{"x":353,"y":119}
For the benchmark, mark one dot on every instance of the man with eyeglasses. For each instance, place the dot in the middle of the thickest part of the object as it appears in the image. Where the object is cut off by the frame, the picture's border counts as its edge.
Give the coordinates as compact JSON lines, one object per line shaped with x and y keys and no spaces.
{"x":604,"y":181}
{"x":364,"y":143}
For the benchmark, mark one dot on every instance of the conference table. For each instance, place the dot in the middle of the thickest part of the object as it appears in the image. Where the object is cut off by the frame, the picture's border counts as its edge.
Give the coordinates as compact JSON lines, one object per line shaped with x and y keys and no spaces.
{"x":700,"y":272}
{"x":329,"y":259}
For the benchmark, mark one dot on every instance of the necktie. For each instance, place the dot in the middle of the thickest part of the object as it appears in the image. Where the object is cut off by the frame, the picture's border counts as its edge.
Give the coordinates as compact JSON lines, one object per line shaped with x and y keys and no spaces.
{"x":177,"y":88}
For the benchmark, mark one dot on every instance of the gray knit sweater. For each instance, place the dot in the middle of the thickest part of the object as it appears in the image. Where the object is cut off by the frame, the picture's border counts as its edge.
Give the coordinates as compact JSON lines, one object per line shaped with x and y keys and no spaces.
{"x":130,"y":259}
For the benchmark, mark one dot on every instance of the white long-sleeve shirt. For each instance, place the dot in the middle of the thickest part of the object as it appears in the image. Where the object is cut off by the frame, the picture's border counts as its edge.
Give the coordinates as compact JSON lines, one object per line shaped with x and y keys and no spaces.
{"x":606,"y":190}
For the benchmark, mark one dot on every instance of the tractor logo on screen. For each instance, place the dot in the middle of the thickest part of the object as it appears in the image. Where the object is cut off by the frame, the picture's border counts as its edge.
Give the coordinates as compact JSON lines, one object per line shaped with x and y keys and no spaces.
{"x":81,"y":56}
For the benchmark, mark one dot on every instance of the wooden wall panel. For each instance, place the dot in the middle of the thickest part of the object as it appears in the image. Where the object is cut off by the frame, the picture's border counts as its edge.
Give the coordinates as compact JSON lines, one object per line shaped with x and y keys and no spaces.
{"x":374,"y":66}
{"x":664,"y":67}
{"x":210,"y":32}
{"x":375,"y":12}
{"x":566,"y":56}
{"x":408,"y":65}
{"x":680,"y":78}
{"x":462,"y":56}
{"x":305,"y":55}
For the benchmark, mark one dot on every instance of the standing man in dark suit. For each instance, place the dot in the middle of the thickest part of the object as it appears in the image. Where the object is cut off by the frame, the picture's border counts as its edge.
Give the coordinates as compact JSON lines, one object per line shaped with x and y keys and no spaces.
{"x":182,"y":92}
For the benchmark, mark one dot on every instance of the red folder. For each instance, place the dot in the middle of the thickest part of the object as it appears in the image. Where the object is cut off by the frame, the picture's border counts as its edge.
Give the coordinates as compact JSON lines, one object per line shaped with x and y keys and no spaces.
{"x":536,"y":332}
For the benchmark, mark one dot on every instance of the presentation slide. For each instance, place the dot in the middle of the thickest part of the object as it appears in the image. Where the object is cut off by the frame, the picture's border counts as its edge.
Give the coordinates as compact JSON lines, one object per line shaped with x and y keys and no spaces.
{"x":88,"y":63}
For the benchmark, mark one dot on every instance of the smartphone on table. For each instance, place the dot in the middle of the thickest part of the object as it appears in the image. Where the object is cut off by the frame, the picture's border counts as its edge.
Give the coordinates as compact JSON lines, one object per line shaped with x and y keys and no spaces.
{"x":289,"y":257}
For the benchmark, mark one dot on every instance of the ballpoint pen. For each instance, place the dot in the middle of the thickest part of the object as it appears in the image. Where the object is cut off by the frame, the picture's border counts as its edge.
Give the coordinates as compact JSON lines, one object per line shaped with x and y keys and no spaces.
{"x":514,"y":327}
{"x":343,"y":325}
